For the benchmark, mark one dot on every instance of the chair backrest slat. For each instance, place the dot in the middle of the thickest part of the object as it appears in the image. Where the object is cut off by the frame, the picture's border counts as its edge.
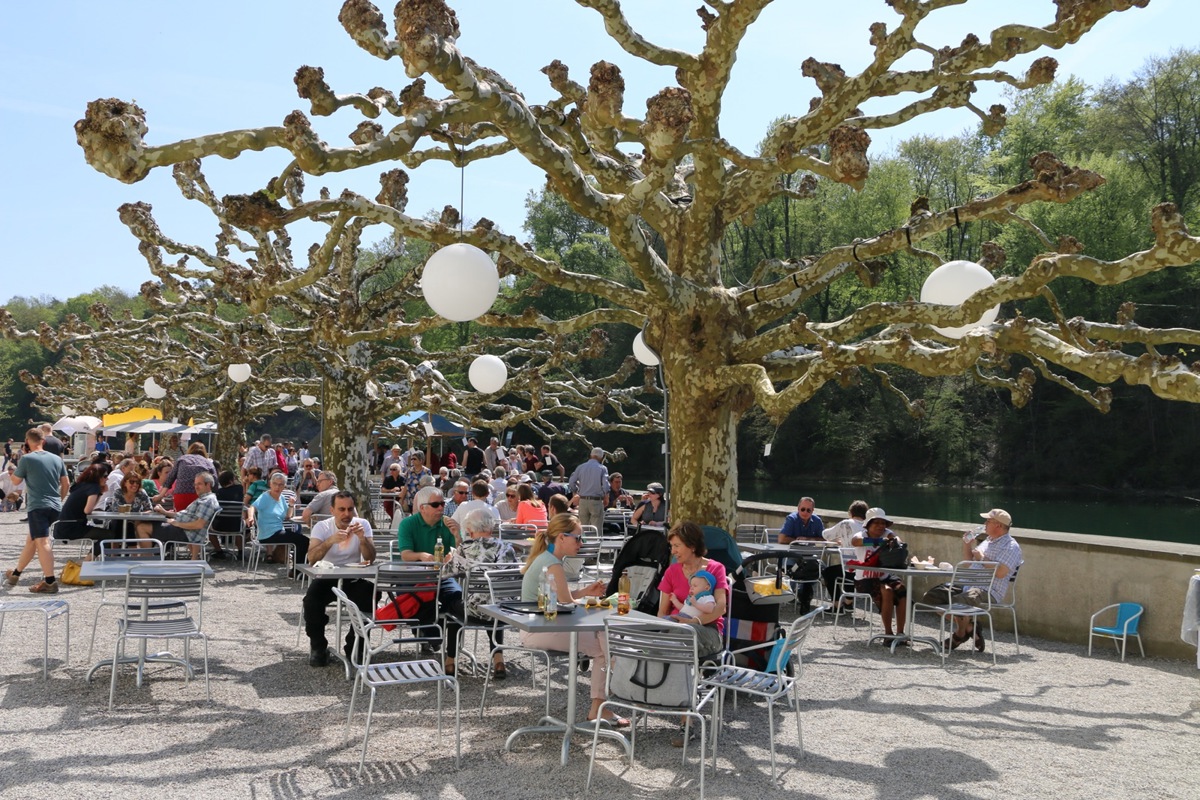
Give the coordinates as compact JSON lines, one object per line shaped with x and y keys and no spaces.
{"x":140,"y":549}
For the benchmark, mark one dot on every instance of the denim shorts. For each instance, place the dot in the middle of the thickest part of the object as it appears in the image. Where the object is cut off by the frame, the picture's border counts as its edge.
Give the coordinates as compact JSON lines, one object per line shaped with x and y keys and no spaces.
{"x":40,"y":520}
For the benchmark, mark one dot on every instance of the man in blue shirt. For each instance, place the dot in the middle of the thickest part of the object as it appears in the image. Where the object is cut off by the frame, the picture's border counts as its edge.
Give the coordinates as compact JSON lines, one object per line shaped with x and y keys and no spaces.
{"x":801,"y":526}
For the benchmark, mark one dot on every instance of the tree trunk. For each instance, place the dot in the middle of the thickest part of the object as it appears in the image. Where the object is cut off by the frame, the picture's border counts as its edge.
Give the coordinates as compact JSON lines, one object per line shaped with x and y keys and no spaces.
{"x":702,"y":416}
{"x":231,"y":423}
{"x":349,"y":416}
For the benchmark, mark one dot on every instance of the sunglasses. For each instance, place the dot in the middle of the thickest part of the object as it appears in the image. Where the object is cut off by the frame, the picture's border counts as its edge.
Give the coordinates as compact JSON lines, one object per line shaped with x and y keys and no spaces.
{"x":510,"y":494}
{"x":573,"y":535}
{"x":806,"y":510}
{"x":438,"y":504}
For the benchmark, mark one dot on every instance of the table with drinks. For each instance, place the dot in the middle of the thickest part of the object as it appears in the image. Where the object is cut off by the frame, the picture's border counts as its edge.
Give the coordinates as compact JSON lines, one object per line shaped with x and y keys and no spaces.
{"x":547,"y":615}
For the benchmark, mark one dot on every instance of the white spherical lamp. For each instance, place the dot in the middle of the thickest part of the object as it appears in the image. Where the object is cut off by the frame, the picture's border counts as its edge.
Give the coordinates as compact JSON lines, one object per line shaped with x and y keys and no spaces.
{"x":239,"y":373}
{"x":102,"y":404}
{"x":68,"y":411}
{"x":488,"y":374}
{"x":289,"y":408}
{"x":308,"y":399}
{"x":643,"y":353}
{"x":153,"y":390}
{"x":951,"y":284}
{"x":460,"y":282}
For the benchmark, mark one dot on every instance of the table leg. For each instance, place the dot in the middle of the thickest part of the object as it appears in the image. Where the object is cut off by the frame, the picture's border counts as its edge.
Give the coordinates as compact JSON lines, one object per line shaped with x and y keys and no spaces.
{"x":569,"y":726}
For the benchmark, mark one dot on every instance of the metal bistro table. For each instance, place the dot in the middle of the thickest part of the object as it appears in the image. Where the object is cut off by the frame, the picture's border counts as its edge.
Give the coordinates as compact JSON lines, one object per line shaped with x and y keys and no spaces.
{"x":125,"y":517}
{"x":908,"y":573}
{"x":351,"y":572}
{"x":118,"y":570}
{"x":582,"y":619}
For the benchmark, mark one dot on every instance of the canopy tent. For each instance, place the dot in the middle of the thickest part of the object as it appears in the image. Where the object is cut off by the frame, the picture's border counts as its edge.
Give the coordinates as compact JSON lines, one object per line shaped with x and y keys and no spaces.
{"x":73,"y":425}
{"x":200,"y":427}
{"x":432,"y":424}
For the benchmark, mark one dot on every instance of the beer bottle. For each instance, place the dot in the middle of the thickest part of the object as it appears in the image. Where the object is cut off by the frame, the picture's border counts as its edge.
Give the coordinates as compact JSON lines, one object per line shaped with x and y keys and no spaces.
{"x":623,"y":587}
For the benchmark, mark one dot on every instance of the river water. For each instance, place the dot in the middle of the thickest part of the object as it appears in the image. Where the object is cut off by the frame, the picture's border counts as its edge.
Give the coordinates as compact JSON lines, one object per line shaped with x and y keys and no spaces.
{"x":1113,"y":514}
{"x":1075,"y":511}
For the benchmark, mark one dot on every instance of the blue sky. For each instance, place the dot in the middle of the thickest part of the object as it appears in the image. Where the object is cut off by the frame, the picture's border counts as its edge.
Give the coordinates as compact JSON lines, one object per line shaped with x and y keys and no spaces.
{"x":200,"y":68}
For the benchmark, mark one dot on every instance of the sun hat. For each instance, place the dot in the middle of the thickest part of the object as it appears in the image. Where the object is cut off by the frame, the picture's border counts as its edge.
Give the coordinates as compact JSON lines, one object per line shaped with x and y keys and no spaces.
{"x":877,"y":513}
{"x":657,"y":488}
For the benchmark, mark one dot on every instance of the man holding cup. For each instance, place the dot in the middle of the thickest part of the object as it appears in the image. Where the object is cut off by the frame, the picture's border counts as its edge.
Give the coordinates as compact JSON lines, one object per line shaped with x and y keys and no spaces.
{"x":343,"y":539}
{"x":999,"y":546}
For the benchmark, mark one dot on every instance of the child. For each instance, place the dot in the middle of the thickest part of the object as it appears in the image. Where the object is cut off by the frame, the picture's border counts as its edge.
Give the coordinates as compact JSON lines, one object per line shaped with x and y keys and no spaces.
{"x":256,"y":485}
{"x":700,"y":599}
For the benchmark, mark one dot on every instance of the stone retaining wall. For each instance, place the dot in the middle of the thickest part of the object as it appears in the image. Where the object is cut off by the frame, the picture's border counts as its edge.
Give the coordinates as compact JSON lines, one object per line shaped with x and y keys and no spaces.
{"x":1065,"y":579}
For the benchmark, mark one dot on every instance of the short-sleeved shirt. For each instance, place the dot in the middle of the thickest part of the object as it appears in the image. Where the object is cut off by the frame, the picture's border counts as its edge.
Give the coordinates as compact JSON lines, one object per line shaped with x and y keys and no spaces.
{"x":342,"y":554}
{"x":74,"y":507}
{"x":42,"y":474}
{"x":796,"y":528}
{"x":674,"y":583}
{"x":182,"y":477}
{"x":263,"y":459}
{"x":270,"y":514}
{"x":413,"y":534}
{"x":322,"y":502}
{"x":1003,"y":550}
{"x":590,"y":479}
{"x":53,"y":445}
{"x":204,"y":507}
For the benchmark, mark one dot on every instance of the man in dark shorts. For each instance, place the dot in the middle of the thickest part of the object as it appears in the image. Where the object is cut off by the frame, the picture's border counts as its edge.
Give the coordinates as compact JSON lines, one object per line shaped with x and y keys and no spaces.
{"x":45,"y":479}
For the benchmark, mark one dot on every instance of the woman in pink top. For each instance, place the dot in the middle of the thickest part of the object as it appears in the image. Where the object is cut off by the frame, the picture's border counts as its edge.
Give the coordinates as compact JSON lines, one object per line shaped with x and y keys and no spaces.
{"x":688,"y":550}
{"x":530,"y":509}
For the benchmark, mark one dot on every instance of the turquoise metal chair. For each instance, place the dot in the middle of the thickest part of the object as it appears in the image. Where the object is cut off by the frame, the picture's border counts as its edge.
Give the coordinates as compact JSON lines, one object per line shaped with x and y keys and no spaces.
{"x":1128,"y":616}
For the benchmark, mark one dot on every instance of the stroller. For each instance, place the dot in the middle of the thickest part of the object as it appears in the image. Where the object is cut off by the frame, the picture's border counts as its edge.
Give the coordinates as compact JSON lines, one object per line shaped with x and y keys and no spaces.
{"x":754,"y":608}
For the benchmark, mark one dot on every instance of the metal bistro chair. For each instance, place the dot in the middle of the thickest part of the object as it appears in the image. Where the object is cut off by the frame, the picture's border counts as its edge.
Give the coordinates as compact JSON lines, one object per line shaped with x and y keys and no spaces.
{"x":49,"y":609}
{"x":967,"y":575}
{"x":774,"y":683}
{"x":392,"y":673}
{"x":148,"y":551}
{"x":750,"y":534}
{"x":653,"y":669}
{"x":1125,"y":626}
{"x":850,"y":592}
{"x":1009,"y":603}
{"x":145,"y":585}
{"x":504,"y":585}
{"x":229,"y":525}
{"x":412,"y":577}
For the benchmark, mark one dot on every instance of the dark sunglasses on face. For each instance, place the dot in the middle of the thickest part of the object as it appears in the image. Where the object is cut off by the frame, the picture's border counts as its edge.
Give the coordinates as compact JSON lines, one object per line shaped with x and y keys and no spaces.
{"x":436,"y":504}
{"x":806,"y":511}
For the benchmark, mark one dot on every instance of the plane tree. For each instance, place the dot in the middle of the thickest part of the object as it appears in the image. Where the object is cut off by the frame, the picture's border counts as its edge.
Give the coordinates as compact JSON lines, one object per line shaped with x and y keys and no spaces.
{"x":665,"y":184}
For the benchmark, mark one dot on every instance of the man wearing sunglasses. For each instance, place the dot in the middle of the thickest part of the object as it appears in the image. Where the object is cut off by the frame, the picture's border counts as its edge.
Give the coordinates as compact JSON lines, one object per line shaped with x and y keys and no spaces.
{"x":802,"y":525}
{"x":416,"y":538}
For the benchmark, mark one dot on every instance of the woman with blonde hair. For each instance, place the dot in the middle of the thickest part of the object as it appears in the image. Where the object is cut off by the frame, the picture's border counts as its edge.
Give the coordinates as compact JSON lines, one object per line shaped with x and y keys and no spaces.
{"x":529,"y":509}
{"x":561,"y":539}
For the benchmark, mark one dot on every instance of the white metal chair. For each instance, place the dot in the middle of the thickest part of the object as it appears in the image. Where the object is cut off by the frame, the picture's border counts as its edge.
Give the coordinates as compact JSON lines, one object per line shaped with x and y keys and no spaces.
{"x":392,"y":673}
{"x":653,"y":669}
{"x":968,"y":575}
{"x":49,"y":609}
{"x":750,"y":534}
{"x":1009,"y":603}
{"x":142,"y":550}
{"x":1125,"y":626}
{"x":145,"y":585}
{"x":775,"y":683}
{"x":419,"y":578}
{"x":504,"y":585}
{"x":850,"y":592}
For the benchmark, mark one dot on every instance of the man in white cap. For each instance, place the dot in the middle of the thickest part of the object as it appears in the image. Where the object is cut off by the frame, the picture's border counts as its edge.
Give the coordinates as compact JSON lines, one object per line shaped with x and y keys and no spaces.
{"x":392,"y":457}
{"x":1000,"y":547}
{"x":587,"y":487}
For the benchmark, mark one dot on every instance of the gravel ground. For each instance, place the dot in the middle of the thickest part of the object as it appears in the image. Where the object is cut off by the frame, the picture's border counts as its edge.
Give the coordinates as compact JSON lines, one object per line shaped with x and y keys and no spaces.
{"x":1048,"y":723}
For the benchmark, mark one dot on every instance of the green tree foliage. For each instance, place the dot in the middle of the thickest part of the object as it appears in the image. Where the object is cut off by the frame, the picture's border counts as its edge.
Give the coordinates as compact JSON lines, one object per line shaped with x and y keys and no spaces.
{"x":1153,"y":121}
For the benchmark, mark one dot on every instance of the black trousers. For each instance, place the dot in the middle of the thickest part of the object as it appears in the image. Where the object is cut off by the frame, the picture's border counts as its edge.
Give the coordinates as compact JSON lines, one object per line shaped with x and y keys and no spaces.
{"x":320,"y":594}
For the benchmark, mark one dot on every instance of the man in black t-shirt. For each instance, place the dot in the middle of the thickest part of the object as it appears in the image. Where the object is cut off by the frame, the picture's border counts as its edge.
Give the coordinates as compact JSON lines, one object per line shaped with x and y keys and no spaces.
{"x":472,"y":459}
{"x":51,"y":443}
